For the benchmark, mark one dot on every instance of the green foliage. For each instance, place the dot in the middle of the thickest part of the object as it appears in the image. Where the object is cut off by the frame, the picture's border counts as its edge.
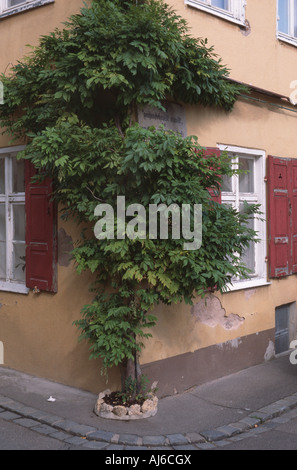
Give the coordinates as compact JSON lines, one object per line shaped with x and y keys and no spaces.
{"x":131,"y":393}
{"x":111,"y":324}
{"x":108,"y":59}
{"x":74,"y":100}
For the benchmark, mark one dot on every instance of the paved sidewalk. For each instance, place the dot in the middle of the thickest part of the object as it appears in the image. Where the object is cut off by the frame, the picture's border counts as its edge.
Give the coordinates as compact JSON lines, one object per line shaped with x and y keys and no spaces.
{"x":206,"y":417}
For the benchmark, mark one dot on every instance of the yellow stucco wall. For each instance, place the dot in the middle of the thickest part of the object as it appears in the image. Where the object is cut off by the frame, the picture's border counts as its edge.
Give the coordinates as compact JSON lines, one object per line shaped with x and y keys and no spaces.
{"x":18,"y":31}
{"x":36,"y":330}
{"x":256,"y":58}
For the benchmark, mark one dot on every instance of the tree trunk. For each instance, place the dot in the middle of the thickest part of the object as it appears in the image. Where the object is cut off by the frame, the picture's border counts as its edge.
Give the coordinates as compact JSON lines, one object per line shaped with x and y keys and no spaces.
{"x":131,"y":374}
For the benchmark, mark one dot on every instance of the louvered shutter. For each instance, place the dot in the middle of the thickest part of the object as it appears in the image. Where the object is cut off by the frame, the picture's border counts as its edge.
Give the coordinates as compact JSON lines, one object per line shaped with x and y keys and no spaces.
{"x":279,"y":217}
{"x":41,"y":246}
{"x":293,"y":210}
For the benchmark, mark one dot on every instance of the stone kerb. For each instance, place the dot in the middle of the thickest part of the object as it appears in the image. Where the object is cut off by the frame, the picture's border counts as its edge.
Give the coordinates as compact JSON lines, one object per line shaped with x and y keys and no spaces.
{"x":136,"y":411}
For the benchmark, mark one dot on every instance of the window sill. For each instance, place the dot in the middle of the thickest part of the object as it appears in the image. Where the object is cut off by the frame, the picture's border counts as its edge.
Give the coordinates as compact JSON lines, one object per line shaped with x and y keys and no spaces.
{"x":25,"y":7}
{"x":241,"y":285}
{"x":13,"y":287}
{"x":287,"y":39}
{"x":216,"y":12}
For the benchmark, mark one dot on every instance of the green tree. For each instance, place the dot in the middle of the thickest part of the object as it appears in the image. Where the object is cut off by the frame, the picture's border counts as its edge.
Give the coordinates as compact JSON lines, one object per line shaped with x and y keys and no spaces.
{"x":74,"y":100}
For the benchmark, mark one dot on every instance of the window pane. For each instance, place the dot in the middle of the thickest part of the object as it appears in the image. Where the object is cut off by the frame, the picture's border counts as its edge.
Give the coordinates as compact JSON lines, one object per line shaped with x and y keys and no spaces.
{"x":13,"y":3}
{"x":18,"y":170}
{"x":2,"y":176}
{"x":248,"y":257}
{"x":283,"y":13}
{"x":2,"y":242}
{"x":226,"y":184}
{"x":19,"y":262}
{"x":227,"y":180}
{"x":295,"y":18}
{"x":2,"y":223}
{"x":2,"y":260}
{"x":19,"y":223}
{"x":246,"y":180}
{"x":220,"y":4}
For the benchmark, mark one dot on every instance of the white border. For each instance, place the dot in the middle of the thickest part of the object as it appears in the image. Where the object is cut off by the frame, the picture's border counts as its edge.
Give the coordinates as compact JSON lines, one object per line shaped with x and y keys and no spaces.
{"x":14,"y":287}
{"x":24,"y":6}
{"x":287,"y":39}
{"x":237,"y":15}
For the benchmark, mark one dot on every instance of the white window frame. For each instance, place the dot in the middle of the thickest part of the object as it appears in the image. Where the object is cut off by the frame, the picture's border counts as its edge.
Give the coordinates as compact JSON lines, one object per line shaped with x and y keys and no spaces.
{"x":5,"y":4}
{"x":235,"y":12}
{"x":10,"y":285}
{"x":258,"y":197}
{"x":25,"y":5}
{"x":289,"y":38}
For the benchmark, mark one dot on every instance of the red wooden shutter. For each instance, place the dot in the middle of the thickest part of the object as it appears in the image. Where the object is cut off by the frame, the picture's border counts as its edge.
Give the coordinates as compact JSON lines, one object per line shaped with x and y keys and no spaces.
{"x":41,"y":247}
{"x":293,"y":210}
{"x":279,"y":217}
{"x":214,"y":193}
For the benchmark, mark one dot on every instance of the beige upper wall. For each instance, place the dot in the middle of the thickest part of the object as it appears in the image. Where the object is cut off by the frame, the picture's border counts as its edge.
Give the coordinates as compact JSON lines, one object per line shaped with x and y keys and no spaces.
{"x":255,"y":57}
{"x":19,"y":30}
{"x":250,"y":125}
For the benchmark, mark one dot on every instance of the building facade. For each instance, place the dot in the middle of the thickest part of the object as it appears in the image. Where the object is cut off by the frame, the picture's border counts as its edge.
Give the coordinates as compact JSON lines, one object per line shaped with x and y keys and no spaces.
{"x":256,"y":318}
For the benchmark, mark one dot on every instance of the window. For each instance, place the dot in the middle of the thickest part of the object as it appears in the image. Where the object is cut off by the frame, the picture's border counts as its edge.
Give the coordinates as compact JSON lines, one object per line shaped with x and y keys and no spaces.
{"x":248,"y":188}
{"x":232,"y":10}
{"x":285,"y":327}
{"x":287,"y":20}
{"x":8,"y":7}
{"x":28,"y":237}
{"x":12,"y":223}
